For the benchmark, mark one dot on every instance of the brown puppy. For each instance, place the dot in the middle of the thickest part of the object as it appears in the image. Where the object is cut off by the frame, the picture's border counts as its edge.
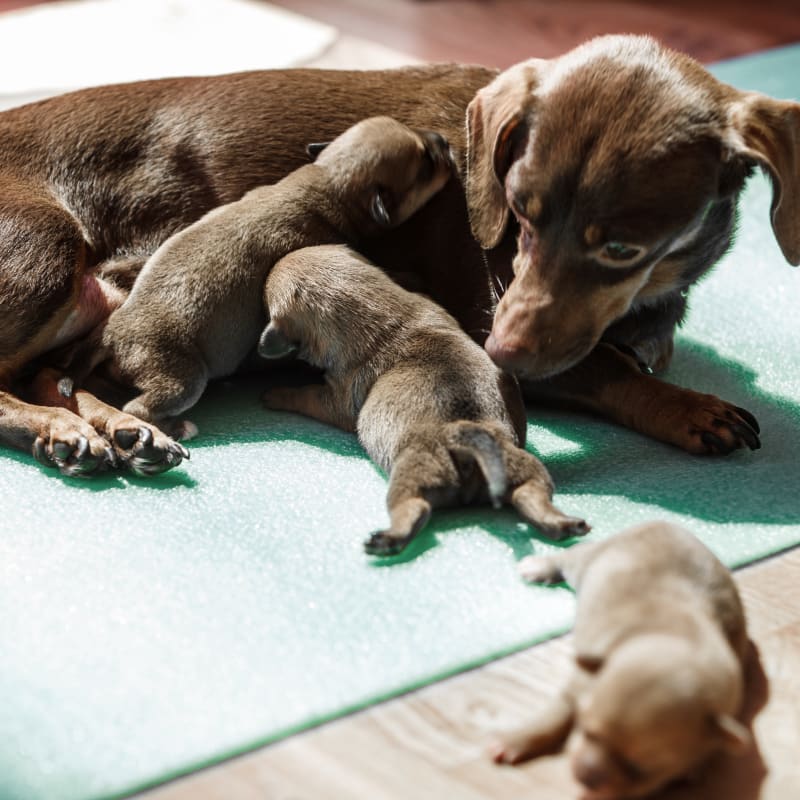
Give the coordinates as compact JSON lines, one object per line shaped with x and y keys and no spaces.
{"x":429,"y":406}
{"x":660,"y":645}
{"x":621,"y":162}
{"x":195,"y":311}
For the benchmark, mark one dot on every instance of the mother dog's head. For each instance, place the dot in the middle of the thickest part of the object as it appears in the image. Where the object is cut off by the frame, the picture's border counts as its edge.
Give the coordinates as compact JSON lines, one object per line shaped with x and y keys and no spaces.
{"x":621,"y":161}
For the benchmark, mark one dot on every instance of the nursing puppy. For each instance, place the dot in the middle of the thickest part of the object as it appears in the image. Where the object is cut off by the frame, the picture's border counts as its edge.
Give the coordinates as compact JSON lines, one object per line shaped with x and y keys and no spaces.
{"x":195,"y":311}
{"x":427,"y":403}
{"x":660,"y":645}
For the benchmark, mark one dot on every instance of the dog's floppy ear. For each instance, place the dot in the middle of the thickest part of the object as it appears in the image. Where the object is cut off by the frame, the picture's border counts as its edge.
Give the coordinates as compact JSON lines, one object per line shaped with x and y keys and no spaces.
{"x":497,"y":124}
{"x":315,"y":148}
{"x":768,"y":131}
{"x":731,"y":734}
{"x":275,"y":344}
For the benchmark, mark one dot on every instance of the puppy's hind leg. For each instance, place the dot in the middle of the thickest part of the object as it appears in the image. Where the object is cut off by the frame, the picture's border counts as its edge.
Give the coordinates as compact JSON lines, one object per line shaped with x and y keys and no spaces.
{"x":418,"y":473}
{"x":532,"y":497}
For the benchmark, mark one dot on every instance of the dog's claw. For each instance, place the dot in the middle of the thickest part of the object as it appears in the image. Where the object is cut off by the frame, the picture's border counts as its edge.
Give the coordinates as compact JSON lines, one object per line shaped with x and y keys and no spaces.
{"x":146,"y":451}
{"x":714,"y":427}
{"x":748,"y":418}
{"x":747,"y":434}
{"x":111,"y":456}
{"x":71,"y":459}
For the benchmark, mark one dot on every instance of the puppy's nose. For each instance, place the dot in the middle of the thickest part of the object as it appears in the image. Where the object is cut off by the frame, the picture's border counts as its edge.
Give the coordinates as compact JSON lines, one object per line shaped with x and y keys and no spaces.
{"x":507,"y":355}
{"x":590,"y":770}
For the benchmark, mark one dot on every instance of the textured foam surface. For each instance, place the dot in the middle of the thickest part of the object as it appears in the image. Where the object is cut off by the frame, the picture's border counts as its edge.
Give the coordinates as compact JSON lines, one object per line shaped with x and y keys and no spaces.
{"x":149,"y":627}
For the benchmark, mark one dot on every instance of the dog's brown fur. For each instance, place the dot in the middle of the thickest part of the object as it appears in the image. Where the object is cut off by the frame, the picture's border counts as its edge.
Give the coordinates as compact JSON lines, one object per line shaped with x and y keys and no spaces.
{"x":659,"y":682}
{"x":429,"y":406}
{"x":195,"y":311}
{"x":93,"y":182}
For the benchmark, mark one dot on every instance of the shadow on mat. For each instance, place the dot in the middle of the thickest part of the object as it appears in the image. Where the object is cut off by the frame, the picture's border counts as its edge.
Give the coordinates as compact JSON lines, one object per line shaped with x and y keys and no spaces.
{"x":601,"y":459}
{"x":745,"y":486}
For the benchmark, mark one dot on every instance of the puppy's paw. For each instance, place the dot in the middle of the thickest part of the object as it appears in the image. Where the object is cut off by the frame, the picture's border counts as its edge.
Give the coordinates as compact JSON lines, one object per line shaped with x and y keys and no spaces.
{"x":75,"y":448}
{"x":145,"y":450}
{"x":515,"y":747}
{"x":540,"y":569}
{"x":502,"y":752}
{"x":382,"y":543}
{"x":565,"y":528}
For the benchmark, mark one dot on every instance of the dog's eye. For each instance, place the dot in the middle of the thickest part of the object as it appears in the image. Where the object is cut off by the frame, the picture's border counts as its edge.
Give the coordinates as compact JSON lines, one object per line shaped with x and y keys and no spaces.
{"x":619,"y":253}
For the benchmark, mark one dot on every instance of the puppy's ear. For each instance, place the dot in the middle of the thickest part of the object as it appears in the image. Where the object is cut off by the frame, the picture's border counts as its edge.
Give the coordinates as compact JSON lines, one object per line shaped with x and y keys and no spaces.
{"x":497,"y":130}
{"x":768,"y":131}
{"x":315,"y":148}
{"x":378,"y":211}
{"x":731,"y":734}
{"x":275,"y":344}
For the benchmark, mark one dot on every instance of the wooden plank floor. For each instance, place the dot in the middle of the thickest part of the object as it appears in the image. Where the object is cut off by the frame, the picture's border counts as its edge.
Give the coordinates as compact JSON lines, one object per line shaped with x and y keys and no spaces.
{"x":502,"y":32}
{"x":429,"y":745}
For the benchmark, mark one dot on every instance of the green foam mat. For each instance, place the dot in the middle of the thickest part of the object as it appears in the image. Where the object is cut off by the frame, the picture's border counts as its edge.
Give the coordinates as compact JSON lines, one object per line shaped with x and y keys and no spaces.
{"x":150,"y":627}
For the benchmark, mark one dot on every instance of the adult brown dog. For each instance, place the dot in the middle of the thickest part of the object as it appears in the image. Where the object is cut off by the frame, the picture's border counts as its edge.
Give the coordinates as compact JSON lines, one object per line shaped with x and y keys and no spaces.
{"x":620,"y":163}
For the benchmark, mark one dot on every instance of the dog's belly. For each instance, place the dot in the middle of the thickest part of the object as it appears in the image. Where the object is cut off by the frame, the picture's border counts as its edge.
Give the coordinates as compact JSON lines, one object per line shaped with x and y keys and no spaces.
{"x":95,"y":301}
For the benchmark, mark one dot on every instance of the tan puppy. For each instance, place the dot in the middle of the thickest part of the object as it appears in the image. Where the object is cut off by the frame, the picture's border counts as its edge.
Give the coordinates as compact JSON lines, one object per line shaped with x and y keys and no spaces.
{"x":195,"y":311}
{"x":428,"y":404}
{"x":660,"y":645}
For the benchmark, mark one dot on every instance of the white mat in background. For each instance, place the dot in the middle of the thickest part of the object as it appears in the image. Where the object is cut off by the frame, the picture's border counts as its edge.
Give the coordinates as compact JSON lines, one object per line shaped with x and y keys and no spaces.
{"x":69,"y":45}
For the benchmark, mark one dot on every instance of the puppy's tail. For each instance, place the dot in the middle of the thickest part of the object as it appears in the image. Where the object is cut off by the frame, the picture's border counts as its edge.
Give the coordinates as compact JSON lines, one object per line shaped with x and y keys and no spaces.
{"x":482,"y":446}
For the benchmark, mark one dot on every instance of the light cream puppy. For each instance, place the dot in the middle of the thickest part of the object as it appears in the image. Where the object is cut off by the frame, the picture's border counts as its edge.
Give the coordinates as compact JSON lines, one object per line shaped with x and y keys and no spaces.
{"x":660,"y":646}
{"x":429,"y":405}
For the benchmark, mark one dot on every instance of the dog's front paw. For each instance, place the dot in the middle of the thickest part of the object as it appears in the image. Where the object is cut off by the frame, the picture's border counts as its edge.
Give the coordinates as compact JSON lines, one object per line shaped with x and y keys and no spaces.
{"x":146,"y":451}
{"x":715,"y":427}
{"x":74,"y":448}
{"x":382,"y":543}
{"x":539,"y":569}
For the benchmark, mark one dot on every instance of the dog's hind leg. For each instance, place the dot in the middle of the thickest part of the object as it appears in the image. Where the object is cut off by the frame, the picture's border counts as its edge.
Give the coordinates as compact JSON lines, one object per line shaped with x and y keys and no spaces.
{"x":43,"y":268}
{"x":532,"y":497}
{"x":421,"y":475}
